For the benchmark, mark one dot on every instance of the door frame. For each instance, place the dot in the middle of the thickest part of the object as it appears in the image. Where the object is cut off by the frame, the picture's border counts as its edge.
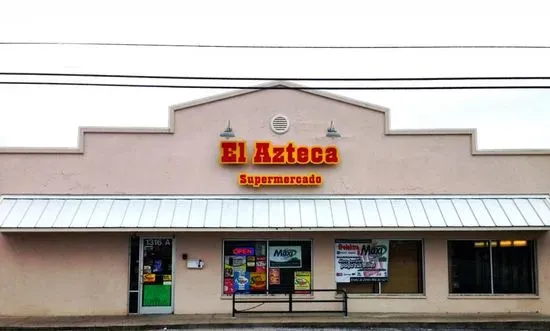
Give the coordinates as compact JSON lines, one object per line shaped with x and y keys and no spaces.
{"x":155,"y":310}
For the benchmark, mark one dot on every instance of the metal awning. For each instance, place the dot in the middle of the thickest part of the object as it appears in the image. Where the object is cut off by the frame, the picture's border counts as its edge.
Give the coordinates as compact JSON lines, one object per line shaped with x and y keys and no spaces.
{"x":267,"y":213}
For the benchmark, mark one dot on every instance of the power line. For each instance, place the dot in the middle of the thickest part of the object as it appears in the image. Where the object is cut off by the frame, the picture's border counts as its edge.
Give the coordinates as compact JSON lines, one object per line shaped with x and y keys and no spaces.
{"x":284,"y":87}
{"x":278,"y":46}
{"x":274,"y":78}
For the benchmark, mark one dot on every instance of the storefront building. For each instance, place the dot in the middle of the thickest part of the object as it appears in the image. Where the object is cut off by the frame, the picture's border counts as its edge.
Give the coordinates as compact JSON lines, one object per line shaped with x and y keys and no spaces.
{"x":172,"y":221}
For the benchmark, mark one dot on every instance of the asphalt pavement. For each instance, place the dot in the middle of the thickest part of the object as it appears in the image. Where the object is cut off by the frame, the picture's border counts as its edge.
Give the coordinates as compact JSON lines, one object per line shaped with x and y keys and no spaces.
{"x":325,"y":322}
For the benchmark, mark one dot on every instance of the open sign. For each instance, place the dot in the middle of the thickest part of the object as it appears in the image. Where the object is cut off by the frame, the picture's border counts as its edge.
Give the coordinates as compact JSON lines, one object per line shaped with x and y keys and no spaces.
{"x":243,"y":251}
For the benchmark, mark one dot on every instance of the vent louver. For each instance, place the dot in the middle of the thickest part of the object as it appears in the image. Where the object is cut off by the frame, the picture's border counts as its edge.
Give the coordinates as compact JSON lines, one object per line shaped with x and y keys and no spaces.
{"x":280,"y":124}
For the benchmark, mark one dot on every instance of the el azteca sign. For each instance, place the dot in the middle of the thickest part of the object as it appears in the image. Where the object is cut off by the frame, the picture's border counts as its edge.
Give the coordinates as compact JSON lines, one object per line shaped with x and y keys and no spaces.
{"x":266,"y":153}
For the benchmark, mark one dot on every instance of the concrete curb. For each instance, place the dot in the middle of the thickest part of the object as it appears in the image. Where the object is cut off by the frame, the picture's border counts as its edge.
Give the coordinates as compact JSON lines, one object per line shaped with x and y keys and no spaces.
{"x":506,"y":325}
{"x":224,"y":321}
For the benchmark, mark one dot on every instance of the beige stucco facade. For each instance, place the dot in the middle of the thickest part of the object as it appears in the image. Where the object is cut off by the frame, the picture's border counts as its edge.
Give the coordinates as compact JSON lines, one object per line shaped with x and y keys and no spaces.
{"x":186,"y":161}
{"x":87,"y":273}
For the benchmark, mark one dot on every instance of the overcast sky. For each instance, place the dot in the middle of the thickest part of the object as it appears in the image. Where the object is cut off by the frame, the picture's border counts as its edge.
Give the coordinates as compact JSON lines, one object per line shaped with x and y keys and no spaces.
{"x":50,"y":115}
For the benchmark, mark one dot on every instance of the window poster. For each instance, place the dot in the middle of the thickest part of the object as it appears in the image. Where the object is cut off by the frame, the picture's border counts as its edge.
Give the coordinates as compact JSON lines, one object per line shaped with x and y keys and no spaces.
{"x":251,"y":262}
{"x":157,"y":266}
{"x":261,"y":264}
{"x":258,"y":281}
{"x":157,"y":295}
{"x":274,"y":276}
{"x":239,"y":264}
{"x":149,"y":278}
{"x":244,"y":270}
{"x":302,"y":280}
{"x":228,"y":286}
{"x":361,"y":261}
{"x":285,"y":257}
{"x":242,"y":281}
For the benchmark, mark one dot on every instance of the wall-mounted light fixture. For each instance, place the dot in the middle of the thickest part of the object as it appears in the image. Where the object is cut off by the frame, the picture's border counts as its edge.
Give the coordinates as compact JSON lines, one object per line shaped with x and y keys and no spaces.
{"x":228,"y":132}
{"x":331,"y":131}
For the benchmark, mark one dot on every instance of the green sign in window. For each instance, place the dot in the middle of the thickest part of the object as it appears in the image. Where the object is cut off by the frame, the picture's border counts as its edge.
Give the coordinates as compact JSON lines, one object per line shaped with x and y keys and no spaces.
{"x":157,"y":295}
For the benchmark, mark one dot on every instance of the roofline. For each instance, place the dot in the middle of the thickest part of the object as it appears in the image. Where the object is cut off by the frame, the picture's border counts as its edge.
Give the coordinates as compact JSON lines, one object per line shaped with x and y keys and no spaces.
{"x":273,"y":84}
{"x":82,"y":131}
{"x":268,"y":197}
{"x":263,"y":229}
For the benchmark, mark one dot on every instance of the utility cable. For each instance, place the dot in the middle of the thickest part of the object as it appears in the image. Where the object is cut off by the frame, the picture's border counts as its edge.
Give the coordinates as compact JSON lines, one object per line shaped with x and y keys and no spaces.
{"x":372,"y":79}
{"x":229,"y":87}
{"x":278,"y":46}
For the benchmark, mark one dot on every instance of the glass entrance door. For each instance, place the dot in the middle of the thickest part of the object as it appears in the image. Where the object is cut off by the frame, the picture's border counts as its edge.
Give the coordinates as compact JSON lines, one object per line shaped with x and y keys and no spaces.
{"x":156,"y":282}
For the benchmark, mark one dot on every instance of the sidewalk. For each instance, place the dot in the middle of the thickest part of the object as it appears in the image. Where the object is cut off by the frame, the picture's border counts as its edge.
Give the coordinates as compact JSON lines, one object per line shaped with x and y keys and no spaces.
{"x":357,"y":320}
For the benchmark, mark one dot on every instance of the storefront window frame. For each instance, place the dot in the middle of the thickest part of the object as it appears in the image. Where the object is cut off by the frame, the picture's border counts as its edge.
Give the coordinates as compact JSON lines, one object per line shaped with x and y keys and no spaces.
{"x":534,"y":275}
{"x":267,"y":240}
{"x":379,"y":293}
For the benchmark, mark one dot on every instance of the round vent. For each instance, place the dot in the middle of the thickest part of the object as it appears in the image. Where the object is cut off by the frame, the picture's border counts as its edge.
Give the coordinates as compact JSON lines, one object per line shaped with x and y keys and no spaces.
{"x":280,"y":124}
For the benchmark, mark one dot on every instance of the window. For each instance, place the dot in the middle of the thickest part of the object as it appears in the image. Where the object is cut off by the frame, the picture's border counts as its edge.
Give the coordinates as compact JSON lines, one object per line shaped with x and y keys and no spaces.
{"x":266,"y":266}
{"x":403,"y":265}
{"x":492,"y":267}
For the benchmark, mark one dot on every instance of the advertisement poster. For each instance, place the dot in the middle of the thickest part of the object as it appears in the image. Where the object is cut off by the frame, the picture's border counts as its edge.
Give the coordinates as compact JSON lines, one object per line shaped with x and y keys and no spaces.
{"x":228,"y":286}
{"x":239,"y":263}
{"x":274,"y":276}
{"x":302,"y":280}
{"x":228,"y":271}
{"x":228,"y":267}
{"x":167,"y":280}
{"x":258,"y":281}
{"x":157,"y":295}
{"x":285,"y":257}
{"x":261,"y":264}
{"x":242,"y":281}
{"x":149,"y":278}
{"x":250,"y":261}
{"x":362,"y":261}
{"x":157,"y":266}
